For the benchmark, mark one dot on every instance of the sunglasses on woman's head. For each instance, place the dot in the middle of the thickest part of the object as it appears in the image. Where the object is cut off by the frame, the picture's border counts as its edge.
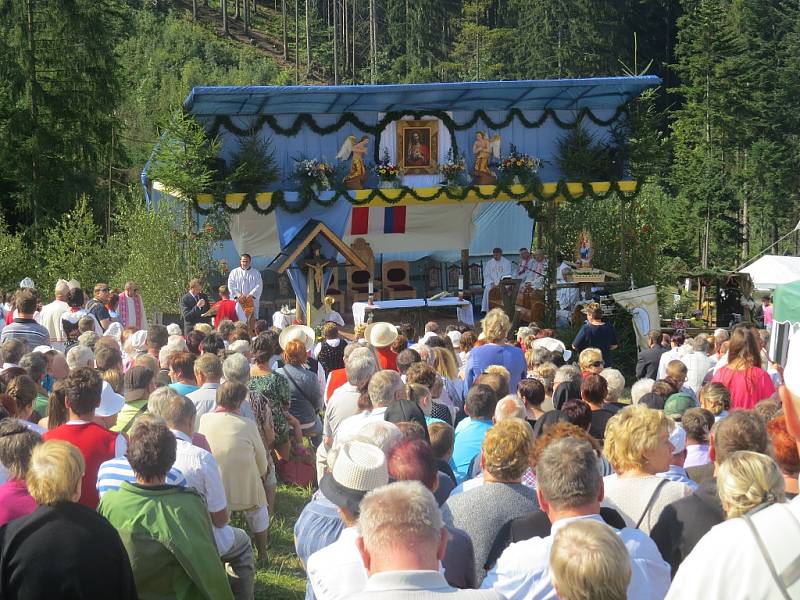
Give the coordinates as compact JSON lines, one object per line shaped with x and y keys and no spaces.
{"x":597,"y":363}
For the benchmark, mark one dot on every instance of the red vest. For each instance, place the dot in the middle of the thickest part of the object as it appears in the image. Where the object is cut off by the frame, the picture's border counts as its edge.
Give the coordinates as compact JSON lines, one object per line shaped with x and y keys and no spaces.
{"x":387,"y":358}
{"x":97,"y":446}
{"x":226,"y":309}
{"x":337,"y":378}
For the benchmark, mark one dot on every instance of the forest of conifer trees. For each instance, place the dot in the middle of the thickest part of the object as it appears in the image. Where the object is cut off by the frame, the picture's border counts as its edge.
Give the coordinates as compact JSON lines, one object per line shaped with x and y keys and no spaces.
{"x":85,"y":85}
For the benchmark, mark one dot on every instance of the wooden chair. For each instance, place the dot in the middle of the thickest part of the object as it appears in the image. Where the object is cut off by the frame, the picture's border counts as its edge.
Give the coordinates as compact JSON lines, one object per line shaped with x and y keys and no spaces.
{"x":333,"y":287}
{"x":433,"y":274}
{"x":474,"y":281}
{"x":358,"y":279}
{"x":397,"y":280}
{"x":453,"y":273}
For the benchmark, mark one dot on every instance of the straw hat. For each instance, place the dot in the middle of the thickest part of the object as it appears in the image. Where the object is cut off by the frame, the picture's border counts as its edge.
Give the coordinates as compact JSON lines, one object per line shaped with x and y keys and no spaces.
{"x":380,"y":334}
{"x":359,"y":468}
{"x":302,"y":333}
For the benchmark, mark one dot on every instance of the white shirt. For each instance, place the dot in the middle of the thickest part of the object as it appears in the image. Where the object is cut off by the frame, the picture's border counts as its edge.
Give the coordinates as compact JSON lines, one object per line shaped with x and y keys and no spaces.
{"x":697,"y":366}
{"x":350,"y":427}
{"x":205,"y":401}
{"x":245,"y":282}
{"x":522,"y":572}
{"x":202,"y":473}
{"x":673,"y":353}
{"x":50,"y":318}
{"x":336,"y":572}
{"x":726,"y":562}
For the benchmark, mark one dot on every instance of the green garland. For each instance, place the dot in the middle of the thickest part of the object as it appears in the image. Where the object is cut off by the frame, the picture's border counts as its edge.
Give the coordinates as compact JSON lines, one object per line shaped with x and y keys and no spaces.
{"x":307,"y":120}
{"x":306,"y":196}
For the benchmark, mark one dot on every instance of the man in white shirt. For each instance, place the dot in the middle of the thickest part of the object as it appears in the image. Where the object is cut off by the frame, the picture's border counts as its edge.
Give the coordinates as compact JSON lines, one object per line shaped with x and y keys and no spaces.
{"x":208,"y":374}
{"x":360,"y":366}
{"x":202,"y":473}
{"x":697,"y":364}
{"x":244,"y":282}
{"x":336,"y":572}
{"x":384,"y":388}
{"x":131,"y":307}
{"x":569,"y":489}
{"x":567,"y":296}
{"x":402,"y":540}
{"x":728,"y":561}
{"x":493,"y":271}
{"x":50,"y":315}
{"x":674,"y":353}
{"x":535,"y":271}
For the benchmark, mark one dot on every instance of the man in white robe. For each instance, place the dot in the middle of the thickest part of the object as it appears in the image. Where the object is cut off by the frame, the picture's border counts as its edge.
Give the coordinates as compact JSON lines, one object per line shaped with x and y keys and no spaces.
{"x":244,"y":282}
{"x":567,"y":297}
{"x":493,"y":271}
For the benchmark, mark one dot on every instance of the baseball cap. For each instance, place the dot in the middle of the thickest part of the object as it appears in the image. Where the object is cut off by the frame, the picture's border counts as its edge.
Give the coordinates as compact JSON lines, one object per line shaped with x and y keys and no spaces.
{"x":677,"y":404}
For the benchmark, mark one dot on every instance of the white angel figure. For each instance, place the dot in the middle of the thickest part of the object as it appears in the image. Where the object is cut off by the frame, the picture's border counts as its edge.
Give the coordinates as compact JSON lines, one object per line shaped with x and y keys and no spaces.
{"x":494,"y":146}
{"x":347,"y":148}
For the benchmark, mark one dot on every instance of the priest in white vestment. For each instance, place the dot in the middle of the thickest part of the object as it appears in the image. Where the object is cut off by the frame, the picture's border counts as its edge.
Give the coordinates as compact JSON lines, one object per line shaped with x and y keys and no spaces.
{"x":493,"y":271}
{"x":245,"y":281}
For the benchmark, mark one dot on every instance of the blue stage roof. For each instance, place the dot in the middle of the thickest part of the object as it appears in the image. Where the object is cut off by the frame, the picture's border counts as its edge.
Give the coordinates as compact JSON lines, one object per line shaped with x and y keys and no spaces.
{"x":555,"y":94}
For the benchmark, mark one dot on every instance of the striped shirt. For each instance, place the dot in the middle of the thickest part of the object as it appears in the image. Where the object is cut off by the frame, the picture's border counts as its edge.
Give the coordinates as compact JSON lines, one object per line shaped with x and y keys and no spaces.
{"x":27,"y":330}
{"x":113,"y":472}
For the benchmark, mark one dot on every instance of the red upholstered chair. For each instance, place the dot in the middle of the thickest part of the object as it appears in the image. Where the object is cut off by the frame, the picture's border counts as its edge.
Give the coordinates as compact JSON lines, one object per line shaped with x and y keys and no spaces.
{"x":397,"y":280}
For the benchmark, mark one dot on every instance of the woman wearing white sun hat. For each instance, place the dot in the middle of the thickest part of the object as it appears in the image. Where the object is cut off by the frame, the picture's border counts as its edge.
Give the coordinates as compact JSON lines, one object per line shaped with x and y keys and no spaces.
{"x":380,"y":336}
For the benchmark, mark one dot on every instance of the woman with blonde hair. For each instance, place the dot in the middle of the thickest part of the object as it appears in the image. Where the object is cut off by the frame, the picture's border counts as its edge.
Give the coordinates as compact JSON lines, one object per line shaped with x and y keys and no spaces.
{"x":444,"y":363}
{"x":62,"y":549}
{"x":637,"y":446}
{"x":749,"y":481}
{"x":496,"y":351}
{"x":743,"y":376}
{"x":590,"y":360}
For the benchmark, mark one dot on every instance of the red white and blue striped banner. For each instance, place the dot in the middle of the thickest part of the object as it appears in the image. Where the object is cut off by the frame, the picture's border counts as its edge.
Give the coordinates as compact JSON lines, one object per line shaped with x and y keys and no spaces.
{"x":391,"y":219}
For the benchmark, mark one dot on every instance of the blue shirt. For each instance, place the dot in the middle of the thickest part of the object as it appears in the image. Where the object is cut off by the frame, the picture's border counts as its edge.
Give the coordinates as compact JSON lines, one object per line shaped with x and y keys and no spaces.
{"x":510,"y":357}
{"x":601,"y":337}
{"x":113,"y":472}
{"x":678,"y":474}
{"x":183,"y":388}
{"x":468,"y":442}
{"x":317,"y":527}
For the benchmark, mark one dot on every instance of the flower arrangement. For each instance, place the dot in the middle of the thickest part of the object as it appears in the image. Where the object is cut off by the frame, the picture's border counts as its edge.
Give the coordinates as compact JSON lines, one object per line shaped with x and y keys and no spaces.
{"x":453,"y":168}
{"x":386,"y":170}
{"x":313,"y":173}
{"x":519,"y":167}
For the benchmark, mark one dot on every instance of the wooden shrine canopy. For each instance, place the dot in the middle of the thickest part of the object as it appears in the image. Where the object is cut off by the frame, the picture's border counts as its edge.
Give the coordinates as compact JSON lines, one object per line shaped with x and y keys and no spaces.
{"x":314,"y":121}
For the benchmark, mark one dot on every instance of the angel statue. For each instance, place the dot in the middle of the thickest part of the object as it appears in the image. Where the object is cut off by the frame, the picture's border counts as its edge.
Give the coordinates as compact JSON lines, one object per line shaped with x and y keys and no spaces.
{"x":357,"y":176}
{"x":483,"y":149}
{"x":583,"y":250}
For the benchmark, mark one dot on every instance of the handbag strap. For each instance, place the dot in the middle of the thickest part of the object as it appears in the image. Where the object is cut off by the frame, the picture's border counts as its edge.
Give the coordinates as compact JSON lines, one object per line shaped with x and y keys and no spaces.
{"x":297,"y":387}
{"x":791,"y":573}
{"x":129,"y":424}
{"x":649,"y":504}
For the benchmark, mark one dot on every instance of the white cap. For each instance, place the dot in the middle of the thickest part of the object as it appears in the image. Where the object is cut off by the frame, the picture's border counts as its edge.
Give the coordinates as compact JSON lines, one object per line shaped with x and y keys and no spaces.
{"x":677,"y":438}
{"x":455,"y":337}
{"x":110,"y":402}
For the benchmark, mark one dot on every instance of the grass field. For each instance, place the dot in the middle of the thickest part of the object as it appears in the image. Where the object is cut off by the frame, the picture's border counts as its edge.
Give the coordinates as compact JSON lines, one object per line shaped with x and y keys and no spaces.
{"x":285,"y":578}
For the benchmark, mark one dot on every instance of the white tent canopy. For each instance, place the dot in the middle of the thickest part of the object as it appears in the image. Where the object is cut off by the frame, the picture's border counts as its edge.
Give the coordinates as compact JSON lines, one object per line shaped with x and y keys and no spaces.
{"x":770,"y":271}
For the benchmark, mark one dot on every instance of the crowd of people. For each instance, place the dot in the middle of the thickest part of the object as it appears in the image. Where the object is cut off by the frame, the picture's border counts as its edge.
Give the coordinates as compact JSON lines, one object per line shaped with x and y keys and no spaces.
{"x":457,"y":463}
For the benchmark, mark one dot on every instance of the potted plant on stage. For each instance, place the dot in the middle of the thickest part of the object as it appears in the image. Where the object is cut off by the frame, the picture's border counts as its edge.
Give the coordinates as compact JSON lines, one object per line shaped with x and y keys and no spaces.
{"x":519,"y":168}
{"x":388,"y":173}
{"x":312,"y":174}
{"x":453,"y":169}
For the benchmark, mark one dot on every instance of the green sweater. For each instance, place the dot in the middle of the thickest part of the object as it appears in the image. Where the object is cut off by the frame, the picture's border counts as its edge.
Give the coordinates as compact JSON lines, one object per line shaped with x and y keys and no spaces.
{"x":167,"y":533}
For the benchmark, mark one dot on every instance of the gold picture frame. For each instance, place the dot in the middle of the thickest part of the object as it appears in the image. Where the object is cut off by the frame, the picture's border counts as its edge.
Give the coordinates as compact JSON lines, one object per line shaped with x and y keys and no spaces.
{"x":418,"y":147}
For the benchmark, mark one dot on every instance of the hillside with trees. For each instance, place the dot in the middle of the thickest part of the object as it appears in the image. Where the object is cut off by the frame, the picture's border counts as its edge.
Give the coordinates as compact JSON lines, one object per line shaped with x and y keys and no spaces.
{"x":86,"y":85}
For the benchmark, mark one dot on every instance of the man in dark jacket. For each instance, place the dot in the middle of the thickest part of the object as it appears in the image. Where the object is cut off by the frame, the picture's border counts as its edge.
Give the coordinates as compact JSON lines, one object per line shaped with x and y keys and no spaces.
{"x":647,"y":365}
{"x":685,"y":521}
{"x":193,"y":305}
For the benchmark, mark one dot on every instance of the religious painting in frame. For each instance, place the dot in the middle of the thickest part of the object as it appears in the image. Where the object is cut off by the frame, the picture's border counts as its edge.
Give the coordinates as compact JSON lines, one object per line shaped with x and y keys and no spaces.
{"x":418,"y":146}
